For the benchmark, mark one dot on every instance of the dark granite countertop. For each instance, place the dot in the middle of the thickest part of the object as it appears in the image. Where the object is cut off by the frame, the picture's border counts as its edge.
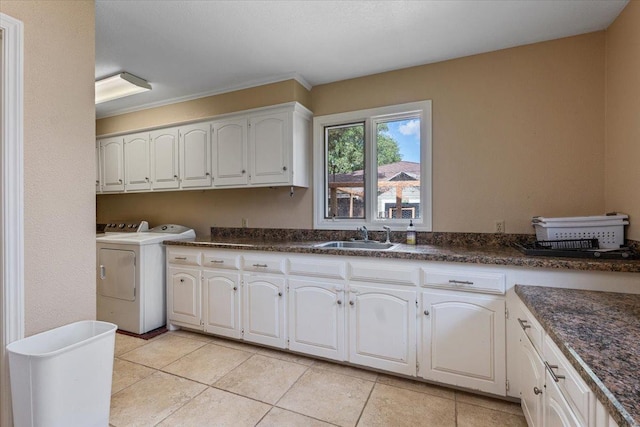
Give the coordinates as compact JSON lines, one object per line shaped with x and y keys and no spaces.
{"x":599,"y":333}
{"x":460,"y":248}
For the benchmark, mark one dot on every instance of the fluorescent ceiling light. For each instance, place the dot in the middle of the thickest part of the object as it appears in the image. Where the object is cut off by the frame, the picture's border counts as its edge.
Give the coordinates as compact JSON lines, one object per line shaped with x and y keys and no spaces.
{"x":118,"y":86}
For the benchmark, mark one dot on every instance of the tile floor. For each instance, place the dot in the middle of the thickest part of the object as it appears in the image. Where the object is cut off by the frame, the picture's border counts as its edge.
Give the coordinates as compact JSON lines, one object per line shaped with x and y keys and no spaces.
{"x":186,"y":379}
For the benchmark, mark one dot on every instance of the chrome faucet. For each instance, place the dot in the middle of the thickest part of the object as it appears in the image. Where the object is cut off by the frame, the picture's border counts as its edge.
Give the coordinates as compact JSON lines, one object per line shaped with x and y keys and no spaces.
{"x":388,"y":230}
{"x":365,"y":232}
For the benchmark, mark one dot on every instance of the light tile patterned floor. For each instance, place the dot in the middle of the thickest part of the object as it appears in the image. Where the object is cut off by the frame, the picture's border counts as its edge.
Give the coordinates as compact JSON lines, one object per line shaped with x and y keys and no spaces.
{"x":187,"y":379}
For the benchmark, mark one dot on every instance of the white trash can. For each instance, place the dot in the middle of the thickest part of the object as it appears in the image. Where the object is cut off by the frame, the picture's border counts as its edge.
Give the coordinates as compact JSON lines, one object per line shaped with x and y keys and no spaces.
{"x":62,"y":377}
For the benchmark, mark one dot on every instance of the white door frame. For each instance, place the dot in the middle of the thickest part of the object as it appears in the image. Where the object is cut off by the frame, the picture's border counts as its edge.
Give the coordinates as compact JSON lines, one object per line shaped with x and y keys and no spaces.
{"x":11,"y":201}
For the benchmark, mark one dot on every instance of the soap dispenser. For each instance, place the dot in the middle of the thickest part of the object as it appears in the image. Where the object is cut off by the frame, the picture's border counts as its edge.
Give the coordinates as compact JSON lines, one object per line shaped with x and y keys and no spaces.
{"x":411,"y":233}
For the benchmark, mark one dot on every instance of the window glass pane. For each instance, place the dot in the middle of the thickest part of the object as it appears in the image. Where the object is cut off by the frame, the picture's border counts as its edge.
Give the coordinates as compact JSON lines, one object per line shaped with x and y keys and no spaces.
{"x":344,"y":171}
{"x":398,"y":177}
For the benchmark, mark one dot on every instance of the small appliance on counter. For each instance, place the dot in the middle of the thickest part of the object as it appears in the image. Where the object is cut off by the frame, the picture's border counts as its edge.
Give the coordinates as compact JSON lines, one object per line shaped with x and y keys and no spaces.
{"x":130,"y":281}
{"x":580,"y":237}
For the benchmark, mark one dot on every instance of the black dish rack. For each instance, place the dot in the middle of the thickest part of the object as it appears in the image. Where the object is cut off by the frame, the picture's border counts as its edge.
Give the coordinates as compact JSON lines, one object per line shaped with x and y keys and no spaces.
{"x":574,"y":248}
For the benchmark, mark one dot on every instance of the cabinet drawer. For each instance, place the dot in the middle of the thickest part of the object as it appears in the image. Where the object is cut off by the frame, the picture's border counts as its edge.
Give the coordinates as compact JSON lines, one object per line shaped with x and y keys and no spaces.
{"x":384,"y":272}
{"x":493,"y":283}
{"x":531,"y":327}
{"x":572,"y":387}
{"x":317,"y":268}
{"x":263,"y":263}
{"x":224,"y":260}
{"x":183,"y":257}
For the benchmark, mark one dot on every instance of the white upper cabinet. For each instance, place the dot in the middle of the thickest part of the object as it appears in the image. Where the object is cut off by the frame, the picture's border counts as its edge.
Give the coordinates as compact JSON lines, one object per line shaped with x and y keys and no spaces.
{"x":279,"y":147}
{"x":112,"y":164}
{"x":137,"y":162}
{"x":98,"y":178}
{"x":229,"y":150}
{"x":164,"y":159}
{"x":269,"y":141}
{"x":264,"y":147}
{"x":195,"y":156}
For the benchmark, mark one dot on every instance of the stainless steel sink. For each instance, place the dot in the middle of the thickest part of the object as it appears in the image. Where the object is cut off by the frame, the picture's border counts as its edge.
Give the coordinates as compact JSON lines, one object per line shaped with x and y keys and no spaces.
{"x":371,"y":245}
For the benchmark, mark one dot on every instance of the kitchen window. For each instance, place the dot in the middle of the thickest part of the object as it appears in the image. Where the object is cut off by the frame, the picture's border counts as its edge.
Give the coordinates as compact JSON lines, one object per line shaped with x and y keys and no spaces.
{"x":373,"y":168}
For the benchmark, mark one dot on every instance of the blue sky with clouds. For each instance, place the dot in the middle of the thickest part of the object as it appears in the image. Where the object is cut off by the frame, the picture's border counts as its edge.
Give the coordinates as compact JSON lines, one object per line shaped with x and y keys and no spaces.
{"x":407,"y":133}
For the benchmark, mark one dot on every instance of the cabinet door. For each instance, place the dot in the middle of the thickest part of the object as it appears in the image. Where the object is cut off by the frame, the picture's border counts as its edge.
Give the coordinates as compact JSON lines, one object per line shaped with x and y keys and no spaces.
{"x":164,"y":159}
{"x":270,"y":138}
{"x":221,"y":303}
{"x":531,"y":372}
{"x":263,"y":311}
{"x":229,"y":149}
{"x":463,"y":340}
{"x":183,"y":296}
{"x":136,"y":160}
{"x":98,"y":186}
{"x":195,"y":156}
{"x":112,"y":164}
{"x":316,"y":318}
{"x":557,"y":412}
{"x":382,"y":328}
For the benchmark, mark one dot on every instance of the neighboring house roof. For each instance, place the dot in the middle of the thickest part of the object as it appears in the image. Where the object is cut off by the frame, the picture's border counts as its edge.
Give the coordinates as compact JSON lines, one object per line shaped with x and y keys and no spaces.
{"x":398,"y":171}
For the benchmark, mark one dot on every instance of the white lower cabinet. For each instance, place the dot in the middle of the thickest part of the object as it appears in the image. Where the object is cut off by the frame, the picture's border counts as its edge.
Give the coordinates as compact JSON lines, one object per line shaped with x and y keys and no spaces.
{"x":557,"y":412}
{"x":358,"y":311}
{"x":317,"y":317}
{"x":531,"y":373}
{"x":221,"y":303}
{"x":183,"y":296}
{"x":552,"y":392}
{"x":263,"y":312}
{"x":382,"y":328}
{"x":463,"y":340}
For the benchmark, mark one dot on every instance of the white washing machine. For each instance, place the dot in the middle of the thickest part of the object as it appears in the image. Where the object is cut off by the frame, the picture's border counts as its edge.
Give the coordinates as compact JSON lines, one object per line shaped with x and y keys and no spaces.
{"x":131,"y":289}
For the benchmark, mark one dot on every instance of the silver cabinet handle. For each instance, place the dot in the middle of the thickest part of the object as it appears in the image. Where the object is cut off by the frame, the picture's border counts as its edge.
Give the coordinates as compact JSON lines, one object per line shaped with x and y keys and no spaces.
{"x":460,"y":282}
{"x":536,"y":390}
{"x":523,"y":324}
{"x":260,"y":265}
{"x":103,"y":272}
{"x":183,"y":258}
{"x":217,"y":261}
{"x":426,"y":312}
{"x":550,"y":368}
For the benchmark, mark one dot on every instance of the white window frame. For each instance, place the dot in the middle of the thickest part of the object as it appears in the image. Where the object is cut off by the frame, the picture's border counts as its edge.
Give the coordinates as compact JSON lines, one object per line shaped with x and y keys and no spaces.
{"x":371,"y":117}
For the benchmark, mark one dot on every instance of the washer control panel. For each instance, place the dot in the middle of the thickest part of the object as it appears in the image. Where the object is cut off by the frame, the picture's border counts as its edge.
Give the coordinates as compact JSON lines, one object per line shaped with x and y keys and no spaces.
{"x":126,"y":227}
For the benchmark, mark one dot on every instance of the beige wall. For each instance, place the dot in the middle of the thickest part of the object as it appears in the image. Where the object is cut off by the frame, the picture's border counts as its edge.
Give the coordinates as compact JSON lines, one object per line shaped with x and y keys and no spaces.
{"x":203,"y":108}
{"x":59,"y":127}
{"x":516,"y":133}
{"x":622,"y":159}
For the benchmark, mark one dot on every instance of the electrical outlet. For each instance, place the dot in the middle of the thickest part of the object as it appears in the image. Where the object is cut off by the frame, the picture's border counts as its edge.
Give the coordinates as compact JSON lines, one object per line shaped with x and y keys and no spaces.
{"x":245,"y":222}
{"x":500,"y":227}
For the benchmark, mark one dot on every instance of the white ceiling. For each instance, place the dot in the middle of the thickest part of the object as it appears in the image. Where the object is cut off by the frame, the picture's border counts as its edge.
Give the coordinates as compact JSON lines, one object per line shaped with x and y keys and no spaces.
{"x":189,"y":49}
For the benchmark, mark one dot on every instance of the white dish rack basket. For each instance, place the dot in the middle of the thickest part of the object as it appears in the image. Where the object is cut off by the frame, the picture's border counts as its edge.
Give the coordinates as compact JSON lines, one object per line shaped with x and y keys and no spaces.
{"x":608,"y":229}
